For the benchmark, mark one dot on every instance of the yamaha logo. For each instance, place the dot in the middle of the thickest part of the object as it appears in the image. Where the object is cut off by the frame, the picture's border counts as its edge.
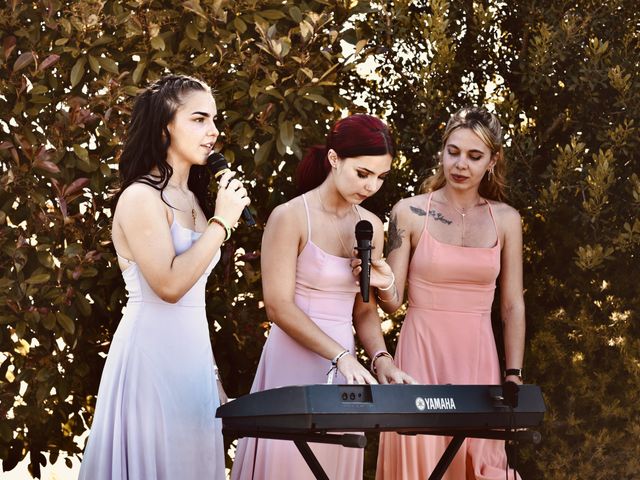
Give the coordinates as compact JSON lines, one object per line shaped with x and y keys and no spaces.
{"x":435,"y":403}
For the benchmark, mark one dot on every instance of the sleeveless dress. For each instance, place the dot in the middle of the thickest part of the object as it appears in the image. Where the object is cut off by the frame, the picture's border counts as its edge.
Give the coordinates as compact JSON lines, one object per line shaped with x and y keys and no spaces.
{"x":447,"y":337}
{"x":155,"y":412}
{"x":325,"y":290}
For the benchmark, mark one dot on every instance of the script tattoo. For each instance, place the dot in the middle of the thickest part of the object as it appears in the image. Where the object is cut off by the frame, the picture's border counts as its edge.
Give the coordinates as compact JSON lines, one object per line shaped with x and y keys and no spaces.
{"x":439,"y":217}
{"x":436,"y":215}
{"x":395,"y":234}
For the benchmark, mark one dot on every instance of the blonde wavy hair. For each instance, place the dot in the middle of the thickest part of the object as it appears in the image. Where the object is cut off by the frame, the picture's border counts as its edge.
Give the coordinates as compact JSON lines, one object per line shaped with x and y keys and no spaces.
{"x":487,"y":127}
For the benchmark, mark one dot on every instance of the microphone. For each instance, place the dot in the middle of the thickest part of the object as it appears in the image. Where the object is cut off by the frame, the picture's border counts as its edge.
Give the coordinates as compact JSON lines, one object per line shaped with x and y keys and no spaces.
{"x":364,"y":234}
{"x":219,"y":166}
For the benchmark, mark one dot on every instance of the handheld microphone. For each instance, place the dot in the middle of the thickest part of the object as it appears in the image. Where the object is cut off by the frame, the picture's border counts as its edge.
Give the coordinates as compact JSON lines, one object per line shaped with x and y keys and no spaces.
{"x":364,"y":234}
{"x":219,"y":166}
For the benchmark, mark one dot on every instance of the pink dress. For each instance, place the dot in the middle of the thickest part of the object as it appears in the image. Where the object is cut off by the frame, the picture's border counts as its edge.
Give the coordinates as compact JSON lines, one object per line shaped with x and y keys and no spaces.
{"x":447,"y":337}
{"x":155,"y":413}
{"x":325,"y":291}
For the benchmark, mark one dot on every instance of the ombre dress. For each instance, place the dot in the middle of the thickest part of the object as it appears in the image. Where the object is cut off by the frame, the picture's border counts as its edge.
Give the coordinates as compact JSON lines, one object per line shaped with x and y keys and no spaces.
{"x":325,"y":290}
{"x":155,"y":413}
{"x":446,"y":338}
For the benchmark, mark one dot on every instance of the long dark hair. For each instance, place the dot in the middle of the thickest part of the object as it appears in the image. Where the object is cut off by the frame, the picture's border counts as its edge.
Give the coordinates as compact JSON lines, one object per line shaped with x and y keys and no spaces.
{"x":353,"y":136}
{"x":148,"y":139}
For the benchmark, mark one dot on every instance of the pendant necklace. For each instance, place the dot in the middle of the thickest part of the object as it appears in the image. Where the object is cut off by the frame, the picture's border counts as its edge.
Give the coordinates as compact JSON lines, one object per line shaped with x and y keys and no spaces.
{"x":333,"y":222}
{"x":462,"y":214}
{"x":193,"y":203}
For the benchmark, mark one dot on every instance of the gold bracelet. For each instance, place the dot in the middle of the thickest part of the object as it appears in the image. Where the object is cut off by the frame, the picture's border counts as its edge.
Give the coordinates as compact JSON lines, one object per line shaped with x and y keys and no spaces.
{"x":220,"y":221}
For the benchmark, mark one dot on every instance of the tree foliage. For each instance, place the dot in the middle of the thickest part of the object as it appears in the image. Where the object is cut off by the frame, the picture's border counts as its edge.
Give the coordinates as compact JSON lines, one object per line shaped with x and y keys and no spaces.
{"x":562,"y":76}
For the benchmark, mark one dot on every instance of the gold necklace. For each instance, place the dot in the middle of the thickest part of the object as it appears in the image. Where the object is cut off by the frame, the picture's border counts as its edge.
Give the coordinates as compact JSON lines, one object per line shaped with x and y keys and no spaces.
{"x":333,"y":222}
{"x":193,"y":203}
{"x":462,"y":213}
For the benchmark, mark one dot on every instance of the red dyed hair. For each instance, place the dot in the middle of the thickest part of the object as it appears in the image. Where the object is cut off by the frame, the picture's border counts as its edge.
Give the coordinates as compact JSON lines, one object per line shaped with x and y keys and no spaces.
{"x":350,"y":137}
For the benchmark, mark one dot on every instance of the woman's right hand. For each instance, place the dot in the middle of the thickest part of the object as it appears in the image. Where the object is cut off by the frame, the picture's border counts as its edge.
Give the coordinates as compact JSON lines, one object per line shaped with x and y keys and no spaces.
{"x":354,"y":372}
{"x":231,"y":198}
{"x":381,"y":273}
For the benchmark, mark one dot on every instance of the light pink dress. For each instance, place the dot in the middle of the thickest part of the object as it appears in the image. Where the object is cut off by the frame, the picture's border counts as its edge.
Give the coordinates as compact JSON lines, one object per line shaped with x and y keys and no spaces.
{"x":325,"y":291}
{"x":447,"y":337}
{"x":155,"y":413}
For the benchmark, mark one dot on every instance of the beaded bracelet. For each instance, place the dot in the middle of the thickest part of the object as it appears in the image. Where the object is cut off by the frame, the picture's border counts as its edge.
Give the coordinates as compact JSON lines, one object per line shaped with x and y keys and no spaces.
{"x":220,"y":221}
{"x":334,"y":366}
{"x":334,"y":362}
{"x":377,"y":355}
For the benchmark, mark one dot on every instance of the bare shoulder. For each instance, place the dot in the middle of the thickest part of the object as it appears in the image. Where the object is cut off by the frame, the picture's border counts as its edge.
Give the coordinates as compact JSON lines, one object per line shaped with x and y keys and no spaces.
{"x":507,"y":216}
{"x":141,"y":199}
{"x":411,"y":206}
{"x":289,"y":215}
{"x":139,"y":192}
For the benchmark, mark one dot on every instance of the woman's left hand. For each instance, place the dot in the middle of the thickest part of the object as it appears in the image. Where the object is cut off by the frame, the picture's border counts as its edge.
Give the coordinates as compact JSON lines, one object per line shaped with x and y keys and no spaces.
{"x":387,"y":372}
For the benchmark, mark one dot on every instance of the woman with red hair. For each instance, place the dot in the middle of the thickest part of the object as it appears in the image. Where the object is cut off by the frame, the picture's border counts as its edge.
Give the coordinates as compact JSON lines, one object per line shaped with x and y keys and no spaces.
{"x":312,"y":297}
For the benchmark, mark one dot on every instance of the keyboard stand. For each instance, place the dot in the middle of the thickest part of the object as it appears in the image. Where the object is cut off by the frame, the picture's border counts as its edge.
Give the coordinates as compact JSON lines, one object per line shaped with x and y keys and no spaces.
{"x":351,"y":440}
{"x":520,"y":436}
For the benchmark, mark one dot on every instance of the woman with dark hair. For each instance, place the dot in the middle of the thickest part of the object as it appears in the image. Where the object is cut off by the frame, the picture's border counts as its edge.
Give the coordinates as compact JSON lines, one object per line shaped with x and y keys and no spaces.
{"x":450,"y":243}
{"x":311,"y":296}
{"x":154,"y":417}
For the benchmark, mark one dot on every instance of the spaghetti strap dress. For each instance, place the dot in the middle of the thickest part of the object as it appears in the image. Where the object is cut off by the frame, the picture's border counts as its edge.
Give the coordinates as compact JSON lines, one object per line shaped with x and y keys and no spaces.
{"x":155,"y":411}
{"x":447,"y":338}
{"x":325,"y":290}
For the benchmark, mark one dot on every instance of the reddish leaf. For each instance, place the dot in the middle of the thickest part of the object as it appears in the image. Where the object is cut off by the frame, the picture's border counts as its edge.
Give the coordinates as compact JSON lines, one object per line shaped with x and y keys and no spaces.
{"x":23,"y":60}
{"x":8,"y":44}
{"x":75,"y":186}
{"x":49,"y":61}
{"x":46,"y":165}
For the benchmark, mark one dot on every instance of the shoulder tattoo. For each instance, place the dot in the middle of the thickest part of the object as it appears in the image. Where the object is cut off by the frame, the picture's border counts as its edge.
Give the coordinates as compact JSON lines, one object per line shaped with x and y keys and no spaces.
{"x":395,"y":234}
{"x":437,"y":216}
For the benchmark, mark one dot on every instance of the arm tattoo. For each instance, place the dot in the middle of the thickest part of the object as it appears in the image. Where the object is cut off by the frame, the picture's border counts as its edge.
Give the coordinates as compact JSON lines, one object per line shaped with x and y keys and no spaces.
{"x":436,"y":215}
{"x":395,"y":235}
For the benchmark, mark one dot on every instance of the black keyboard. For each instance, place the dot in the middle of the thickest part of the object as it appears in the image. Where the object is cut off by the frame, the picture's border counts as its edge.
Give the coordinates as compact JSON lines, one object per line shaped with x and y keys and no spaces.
{"x":401,"y":408}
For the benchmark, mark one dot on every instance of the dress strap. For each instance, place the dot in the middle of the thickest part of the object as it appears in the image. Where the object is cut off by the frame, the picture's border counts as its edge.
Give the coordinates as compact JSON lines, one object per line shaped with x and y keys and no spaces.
{"x":426,"y":220}
{"x":125,"y":259}
{"x":493,"y":218}
{"x":306,"y":207}
{"x":357,"y":212}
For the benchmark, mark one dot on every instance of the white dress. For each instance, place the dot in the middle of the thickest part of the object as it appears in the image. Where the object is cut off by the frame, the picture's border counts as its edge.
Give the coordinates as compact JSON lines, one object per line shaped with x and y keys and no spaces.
{"x":155,"y":412}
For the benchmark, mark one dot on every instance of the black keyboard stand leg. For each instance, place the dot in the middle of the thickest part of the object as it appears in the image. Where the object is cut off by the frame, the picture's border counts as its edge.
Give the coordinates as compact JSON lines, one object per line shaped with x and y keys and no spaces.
{"x":447,"y":457}
{"x":311,"y":460}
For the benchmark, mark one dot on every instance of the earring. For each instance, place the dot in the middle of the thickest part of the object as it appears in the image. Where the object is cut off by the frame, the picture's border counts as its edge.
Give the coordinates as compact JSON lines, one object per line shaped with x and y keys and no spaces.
{"x":490,"y":173}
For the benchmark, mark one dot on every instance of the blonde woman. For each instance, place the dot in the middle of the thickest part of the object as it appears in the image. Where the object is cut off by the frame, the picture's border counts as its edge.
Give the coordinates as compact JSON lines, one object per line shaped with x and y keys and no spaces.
{"x":450,"y":244}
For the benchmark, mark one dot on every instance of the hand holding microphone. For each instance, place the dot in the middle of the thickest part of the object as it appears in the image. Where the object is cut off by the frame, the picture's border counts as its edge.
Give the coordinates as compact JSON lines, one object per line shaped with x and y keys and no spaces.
{"x":364,"y":234}
{"x":364,"y":267}
{"x":232,"y":197}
